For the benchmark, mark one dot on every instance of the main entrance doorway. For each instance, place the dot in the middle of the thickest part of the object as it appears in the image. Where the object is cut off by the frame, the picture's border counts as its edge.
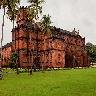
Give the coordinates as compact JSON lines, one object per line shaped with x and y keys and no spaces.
{"x":70,"y":61}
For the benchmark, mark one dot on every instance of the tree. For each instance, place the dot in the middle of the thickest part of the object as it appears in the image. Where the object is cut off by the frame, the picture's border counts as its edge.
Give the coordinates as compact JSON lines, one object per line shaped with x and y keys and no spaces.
{"x":13,"y":61}
{"x":45,"y":28}
{"x":1,"y":74}
{"x":34,"y":9}
{"x":12,"y":64}
{"x":91,"y":51}
{"x":45,"y":23}
{"x":2,"y":5}
{"x":13,"y":6}
{"x":10,"y":5}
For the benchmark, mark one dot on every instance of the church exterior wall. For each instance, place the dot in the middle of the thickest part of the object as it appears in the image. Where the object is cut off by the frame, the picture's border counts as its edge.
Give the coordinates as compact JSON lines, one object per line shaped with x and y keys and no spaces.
{"x":59,"y":49}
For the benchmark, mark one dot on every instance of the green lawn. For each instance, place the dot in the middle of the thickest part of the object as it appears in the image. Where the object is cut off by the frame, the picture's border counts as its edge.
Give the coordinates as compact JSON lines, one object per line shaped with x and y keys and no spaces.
{"x":74,"y":82}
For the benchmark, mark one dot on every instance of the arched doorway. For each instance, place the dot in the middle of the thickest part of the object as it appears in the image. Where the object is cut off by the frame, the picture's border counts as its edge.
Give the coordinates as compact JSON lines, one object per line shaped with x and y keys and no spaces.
{"x":36,"y":62}
{"x":70,"y":60}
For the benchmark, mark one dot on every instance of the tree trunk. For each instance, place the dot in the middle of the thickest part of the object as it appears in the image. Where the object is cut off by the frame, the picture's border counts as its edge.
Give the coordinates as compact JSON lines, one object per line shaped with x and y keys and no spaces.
{"x":44,"y":54}
{"x":2,"y":37}
{"x":17,"y":67}
{"x":1,"y":45}
{"x":13,"y":20}
{"x":30,"y":62}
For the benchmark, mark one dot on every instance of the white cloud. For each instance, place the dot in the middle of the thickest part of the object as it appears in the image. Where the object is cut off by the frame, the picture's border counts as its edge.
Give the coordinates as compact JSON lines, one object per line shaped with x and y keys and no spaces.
{"x":74,"y":13}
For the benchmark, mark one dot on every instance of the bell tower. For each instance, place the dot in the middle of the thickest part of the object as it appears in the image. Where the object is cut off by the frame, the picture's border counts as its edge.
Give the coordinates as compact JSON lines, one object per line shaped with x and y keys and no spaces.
{"x":22,"y":40}
{"x":21,"y":17}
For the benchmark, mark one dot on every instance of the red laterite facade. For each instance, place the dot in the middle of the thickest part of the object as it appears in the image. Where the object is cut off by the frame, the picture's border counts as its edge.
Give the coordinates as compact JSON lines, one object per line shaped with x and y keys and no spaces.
{"x":59,"y":49}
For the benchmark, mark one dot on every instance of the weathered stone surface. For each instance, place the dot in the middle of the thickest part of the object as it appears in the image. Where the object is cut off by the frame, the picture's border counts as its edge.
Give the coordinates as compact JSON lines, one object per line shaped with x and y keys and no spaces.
{"x":61,"y":48}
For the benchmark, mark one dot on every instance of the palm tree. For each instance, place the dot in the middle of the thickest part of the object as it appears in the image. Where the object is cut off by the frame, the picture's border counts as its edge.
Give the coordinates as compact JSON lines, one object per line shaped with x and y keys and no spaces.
{"x":10,"y":5}
{"x":45,"y":27}
{"x":2,"y":5}
{"x":13,"y":6}
{"x":34,"y":9}
{"x":45,"y":23}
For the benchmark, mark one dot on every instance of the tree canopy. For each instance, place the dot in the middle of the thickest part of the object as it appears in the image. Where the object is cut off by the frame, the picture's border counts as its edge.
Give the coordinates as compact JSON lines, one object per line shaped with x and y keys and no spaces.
{"x":91,"y":50}
{"x":45,"y":23}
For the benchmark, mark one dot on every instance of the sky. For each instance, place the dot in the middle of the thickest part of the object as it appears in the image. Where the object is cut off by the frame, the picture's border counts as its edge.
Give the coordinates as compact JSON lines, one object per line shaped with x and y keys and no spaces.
{"x":65,"y":14}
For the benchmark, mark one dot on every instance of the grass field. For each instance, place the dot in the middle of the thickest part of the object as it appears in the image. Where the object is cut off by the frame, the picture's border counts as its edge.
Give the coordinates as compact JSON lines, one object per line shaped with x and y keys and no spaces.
{"x":74,"y":82}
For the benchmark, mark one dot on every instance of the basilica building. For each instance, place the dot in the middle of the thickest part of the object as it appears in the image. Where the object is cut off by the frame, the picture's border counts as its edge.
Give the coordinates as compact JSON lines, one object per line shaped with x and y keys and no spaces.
{"x":58,"y":49}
